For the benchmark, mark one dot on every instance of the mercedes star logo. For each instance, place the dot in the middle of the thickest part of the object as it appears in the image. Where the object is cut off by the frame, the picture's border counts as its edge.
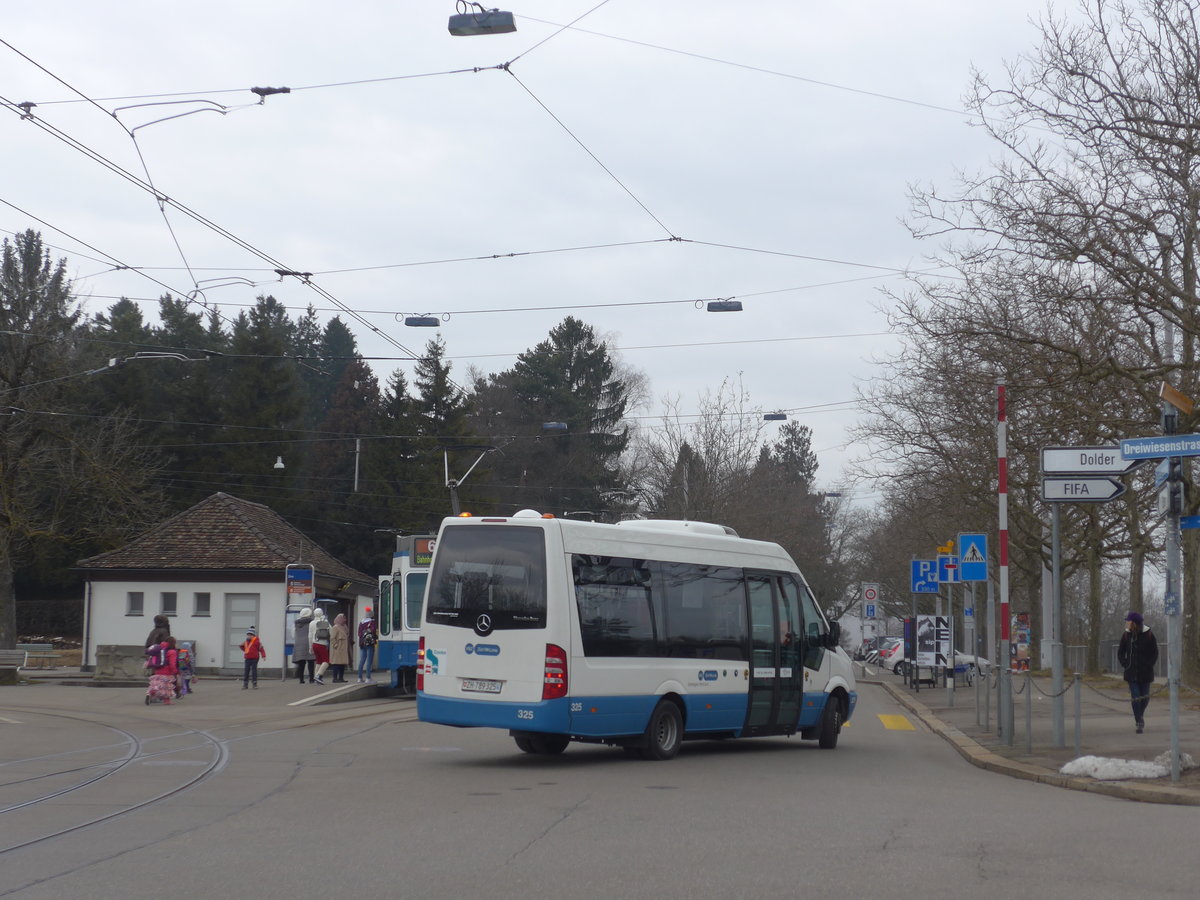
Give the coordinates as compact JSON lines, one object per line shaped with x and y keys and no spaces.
{"x":483,"y":624}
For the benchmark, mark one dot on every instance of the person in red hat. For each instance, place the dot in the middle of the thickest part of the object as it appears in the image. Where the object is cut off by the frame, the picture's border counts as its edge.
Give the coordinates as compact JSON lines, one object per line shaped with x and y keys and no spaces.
{"x":252,"y":651}
{"x":368,"y":637}
{"x":1138,"y":653}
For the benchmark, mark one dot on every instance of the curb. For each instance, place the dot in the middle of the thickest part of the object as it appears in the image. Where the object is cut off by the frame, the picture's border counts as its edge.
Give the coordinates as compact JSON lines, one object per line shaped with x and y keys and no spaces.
{"x":978,"y":755}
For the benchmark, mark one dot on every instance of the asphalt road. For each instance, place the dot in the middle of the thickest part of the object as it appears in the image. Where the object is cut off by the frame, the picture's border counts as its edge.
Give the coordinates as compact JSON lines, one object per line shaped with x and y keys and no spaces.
{"x":238,"y":794}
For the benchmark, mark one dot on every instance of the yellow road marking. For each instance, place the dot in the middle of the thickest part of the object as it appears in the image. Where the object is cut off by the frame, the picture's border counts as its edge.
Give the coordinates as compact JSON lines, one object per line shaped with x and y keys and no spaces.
{"x":896,"y":723}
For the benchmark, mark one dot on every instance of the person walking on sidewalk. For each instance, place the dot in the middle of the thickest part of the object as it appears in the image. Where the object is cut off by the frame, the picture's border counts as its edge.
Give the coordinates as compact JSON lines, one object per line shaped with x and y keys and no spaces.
{"x":252,"y":650}
{"x":1138,"y":653}
{"x":339,"y":648}
{"x":318,"y":637}
{"x":302,"y":652}
{"x":162,"y":682}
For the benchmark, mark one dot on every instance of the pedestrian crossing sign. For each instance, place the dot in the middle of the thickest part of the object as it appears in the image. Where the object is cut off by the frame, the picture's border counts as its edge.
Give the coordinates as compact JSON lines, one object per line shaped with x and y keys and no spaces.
{"x":972,"y":557}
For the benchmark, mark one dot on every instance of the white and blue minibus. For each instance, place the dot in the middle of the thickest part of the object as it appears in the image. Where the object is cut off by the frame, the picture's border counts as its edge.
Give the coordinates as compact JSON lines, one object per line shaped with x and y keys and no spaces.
{"x":639,"y":634}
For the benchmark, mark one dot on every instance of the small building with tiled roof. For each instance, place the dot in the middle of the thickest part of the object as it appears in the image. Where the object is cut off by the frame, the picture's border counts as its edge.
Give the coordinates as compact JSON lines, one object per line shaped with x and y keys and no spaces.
{"x":215,"y":570}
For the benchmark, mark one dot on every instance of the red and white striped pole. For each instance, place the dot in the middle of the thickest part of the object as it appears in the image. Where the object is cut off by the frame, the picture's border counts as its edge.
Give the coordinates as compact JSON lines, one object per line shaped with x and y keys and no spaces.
{"x":1002,"y":462}
{"x":1004,"y":710}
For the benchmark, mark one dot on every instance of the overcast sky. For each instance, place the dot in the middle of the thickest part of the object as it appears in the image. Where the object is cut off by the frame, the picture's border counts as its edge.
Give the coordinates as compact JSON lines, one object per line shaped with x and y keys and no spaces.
{"x":776,"y":139}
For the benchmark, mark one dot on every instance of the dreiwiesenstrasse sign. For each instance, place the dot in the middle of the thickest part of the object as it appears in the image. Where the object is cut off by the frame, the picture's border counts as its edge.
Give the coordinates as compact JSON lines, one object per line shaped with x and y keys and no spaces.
{"x":1157,"y":447}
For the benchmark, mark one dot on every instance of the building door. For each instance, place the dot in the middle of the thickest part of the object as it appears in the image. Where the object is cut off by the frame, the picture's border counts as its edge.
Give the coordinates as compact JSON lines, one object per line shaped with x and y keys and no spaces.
{"x":241,"y":612}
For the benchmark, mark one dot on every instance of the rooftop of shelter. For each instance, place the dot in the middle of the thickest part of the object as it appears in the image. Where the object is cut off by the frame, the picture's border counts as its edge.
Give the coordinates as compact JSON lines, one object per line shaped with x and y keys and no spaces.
{"x":223,"y":532}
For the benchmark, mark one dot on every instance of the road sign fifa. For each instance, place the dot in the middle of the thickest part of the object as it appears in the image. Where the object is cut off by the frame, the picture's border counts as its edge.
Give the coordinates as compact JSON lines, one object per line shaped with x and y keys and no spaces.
{"x":972,"y":557}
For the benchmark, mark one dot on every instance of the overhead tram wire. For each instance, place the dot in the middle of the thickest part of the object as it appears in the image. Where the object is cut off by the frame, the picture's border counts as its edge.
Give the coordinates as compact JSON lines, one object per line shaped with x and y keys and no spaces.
{"x":557,"y":33}
{"x":118,"y":265}
{"x":514,"y":254}
{"x":466,"y":356}
{"x":281,"y":268}
{"x":158,"y":196}
{"x":476,"y":69}
{"x":163,"y":199}
{"x":725,"y":62}
{"x":313,"y":436}
{"x":594,"y":157}
{"x":241,"y":90}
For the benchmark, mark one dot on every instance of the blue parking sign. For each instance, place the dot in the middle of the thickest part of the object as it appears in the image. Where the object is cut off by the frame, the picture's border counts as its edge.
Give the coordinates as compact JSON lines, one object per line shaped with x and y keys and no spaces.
{"x":924,"y":576}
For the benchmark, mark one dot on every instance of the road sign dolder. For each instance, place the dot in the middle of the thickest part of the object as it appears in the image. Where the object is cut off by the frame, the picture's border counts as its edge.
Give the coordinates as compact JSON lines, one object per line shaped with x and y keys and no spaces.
{"x":1086,"y":461}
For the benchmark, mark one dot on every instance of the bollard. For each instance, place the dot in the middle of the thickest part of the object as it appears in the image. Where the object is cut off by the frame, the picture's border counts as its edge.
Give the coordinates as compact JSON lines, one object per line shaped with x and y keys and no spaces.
{"x":1004,"y":708}
{"x":1078,"y":717}
{"x":979,"y":676}
{"x":987,"y":702}
{"x":1028,"y":712}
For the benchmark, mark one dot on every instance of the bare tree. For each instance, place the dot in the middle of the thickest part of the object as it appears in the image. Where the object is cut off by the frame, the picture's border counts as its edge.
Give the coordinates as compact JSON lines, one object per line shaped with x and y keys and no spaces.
{"x":1076,"y":251}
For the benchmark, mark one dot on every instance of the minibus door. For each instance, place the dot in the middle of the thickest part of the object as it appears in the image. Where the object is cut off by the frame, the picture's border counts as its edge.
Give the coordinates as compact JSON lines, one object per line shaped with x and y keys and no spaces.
{"x":775,"y":671}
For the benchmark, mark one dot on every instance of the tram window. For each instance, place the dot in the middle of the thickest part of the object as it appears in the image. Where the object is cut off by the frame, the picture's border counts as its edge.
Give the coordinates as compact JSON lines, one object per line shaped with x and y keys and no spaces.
{"x":414,"y":590}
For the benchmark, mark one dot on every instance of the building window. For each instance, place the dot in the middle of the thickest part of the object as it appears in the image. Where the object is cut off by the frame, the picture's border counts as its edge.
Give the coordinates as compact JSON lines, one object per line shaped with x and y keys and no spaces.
{"x":133,"y":603}
{"x":169,"y":603}
{"x":202,"y":605}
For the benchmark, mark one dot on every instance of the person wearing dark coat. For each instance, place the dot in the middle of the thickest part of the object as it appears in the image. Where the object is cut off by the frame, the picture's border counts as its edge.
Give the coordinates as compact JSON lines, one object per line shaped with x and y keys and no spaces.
{"x":159,"y":633}
{"x":1138,"y":653}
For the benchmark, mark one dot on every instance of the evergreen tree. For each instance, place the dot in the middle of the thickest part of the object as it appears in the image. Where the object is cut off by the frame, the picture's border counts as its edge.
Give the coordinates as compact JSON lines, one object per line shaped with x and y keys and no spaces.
{"x":403,"y":465}
{"x":571,"y":379}
{"x":67,"y":476}
{"x":262,"y":404}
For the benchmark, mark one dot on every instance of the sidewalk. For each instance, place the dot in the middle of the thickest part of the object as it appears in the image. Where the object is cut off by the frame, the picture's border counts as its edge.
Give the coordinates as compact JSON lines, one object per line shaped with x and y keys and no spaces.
{"x":228,"y":689}
{"x":1107,"y":730}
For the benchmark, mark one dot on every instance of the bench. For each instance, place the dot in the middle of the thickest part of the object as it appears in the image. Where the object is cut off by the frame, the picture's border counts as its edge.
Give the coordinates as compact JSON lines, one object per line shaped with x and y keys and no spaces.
{"x":44,"y":654}
{"x":12,"y":659}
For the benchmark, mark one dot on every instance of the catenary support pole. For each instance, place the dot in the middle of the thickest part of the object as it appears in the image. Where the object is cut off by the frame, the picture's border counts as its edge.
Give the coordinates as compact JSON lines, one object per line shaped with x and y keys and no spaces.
{"x":1005,"y":706}
{"x":1055,"y":627}
{"x":1079,"y":721}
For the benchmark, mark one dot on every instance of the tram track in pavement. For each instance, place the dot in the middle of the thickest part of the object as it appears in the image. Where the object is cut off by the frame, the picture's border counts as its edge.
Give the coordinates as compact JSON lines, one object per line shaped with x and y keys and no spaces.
{"x":136,"y":752}
{"x":201,"y":754}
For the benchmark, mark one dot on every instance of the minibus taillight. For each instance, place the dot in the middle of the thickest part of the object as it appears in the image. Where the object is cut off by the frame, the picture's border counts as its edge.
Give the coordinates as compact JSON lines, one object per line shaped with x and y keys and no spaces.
{"x":421,"y":664}
{"x":554,"y":682}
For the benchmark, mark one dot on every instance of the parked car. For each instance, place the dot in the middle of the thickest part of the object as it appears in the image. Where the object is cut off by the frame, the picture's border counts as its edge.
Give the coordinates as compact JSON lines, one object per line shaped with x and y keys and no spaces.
{"x":867,"y":647}
{"x":891,"y":654}
{"x":965,"y":666}
{"x":965,"y":662}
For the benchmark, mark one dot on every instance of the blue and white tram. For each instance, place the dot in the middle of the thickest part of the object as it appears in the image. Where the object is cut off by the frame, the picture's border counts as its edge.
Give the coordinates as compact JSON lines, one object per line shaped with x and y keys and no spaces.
{"x":399,"y":616}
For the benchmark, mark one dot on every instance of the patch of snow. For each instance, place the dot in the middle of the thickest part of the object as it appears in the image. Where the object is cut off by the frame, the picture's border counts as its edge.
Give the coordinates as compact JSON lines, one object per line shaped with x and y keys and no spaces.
{"x":1185,"y":760}
{"x":1104,"y":768}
